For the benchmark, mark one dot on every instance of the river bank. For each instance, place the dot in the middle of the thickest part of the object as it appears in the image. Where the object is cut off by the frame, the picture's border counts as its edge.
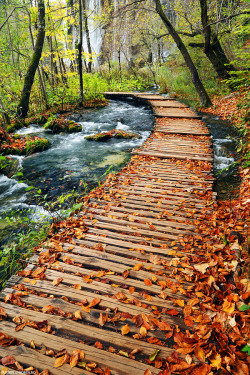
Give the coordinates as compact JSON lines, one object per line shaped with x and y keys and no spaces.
{"x":234,"y":213}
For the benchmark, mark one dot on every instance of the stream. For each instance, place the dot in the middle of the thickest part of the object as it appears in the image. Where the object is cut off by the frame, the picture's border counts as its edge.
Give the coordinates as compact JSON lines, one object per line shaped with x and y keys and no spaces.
{"x":71,"y":162}
{"x":75,"y":164}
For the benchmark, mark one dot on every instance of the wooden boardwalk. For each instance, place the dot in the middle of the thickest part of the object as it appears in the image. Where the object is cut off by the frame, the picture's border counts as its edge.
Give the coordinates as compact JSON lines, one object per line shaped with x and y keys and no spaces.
{"x":103,"y":293}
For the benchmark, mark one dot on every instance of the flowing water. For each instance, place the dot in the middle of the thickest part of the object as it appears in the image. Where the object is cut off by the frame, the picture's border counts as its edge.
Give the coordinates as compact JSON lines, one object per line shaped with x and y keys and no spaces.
{"x":71,"y":163}
{"x":225,"y":140}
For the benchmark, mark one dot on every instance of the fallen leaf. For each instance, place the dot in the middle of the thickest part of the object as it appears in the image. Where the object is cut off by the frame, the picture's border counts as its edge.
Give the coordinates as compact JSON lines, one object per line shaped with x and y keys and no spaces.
{"x":147,"y":282}
{"x":61,"y":360}
{"x":98,"y":345}
{"x":137,"y":267}
{"x":78,"y":314}
{"x":153,"y":356}
{"x":95,"y":302}
{"x":57,"y":281}
{"x":125,"y":329}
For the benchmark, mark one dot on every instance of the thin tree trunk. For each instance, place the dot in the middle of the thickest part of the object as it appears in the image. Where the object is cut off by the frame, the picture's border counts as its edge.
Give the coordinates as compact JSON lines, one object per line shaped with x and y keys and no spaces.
{"x":41,"y":82}
{"x":10,"y":40}
{"x":5,"y":116}
{"x":86,"y":26}
{"x":79,"y":57}
{"x":204,"y":98}
{"x":23,"y":106}
{"x":212,"y":47}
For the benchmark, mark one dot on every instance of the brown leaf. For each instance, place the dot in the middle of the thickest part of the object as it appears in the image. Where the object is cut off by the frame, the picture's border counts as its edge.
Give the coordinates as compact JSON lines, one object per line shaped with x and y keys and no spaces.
{"x":95,"y":302}
{"x":8,"y":360}
{"x":107,"y":371}
{"x":74,"y":359}
{"x":148,"y":282}
{"x":200,"y":354}
{"x":125,"y":329}
{"x":61,"y":360}
{"x":102,"y":319}
{"x":48,"y":309}
{"x":98,"y":345}
{"x":125,"y":274}
{"x":57,"y":281}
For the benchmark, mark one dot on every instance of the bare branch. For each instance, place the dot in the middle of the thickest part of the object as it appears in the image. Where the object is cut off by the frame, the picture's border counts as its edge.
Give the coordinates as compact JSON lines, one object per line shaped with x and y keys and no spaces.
{"x":13,"y":10}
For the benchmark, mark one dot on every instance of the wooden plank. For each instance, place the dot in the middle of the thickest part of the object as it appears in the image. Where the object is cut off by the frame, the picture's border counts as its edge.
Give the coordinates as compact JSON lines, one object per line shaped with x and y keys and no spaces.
{"x":158,"y":190}
{"x":141,"y":216}
{"x":111,"y":289}
{"x":176,"y":113}
{"x":32,"y":358}
{"x":79,"y":329}
{"x":167,"y":103}
{"x":171,"y":156}
{"x":157,"y":227}
{"x":118,"y":364}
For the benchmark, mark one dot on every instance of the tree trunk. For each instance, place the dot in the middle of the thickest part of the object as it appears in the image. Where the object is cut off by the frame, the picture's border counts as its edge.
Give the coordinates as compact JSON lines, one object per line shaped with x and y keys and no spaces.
{"x":5,"y":116}
{"x":79,"y":57}
{"x":212,"y":47}
{"x":204,"y":98}
{"x":23,"y":106}
{"x":86,"y":26}
{"x":41,"y":82}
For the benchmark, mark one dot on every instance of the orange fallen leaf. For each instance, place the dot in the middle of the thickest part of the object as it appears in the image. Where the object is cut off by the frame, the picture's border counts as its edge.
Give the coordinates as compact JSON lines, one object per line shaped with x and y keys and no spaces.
{"x":98,"y":345}
{"x":77,"y":286}
{"x":78,"y":314}
{"x":125,"y":329}
{"x":61,"y":360}
{"x":148,"y":282}
{"x":138,"y":266}
{"x":95,"y":302}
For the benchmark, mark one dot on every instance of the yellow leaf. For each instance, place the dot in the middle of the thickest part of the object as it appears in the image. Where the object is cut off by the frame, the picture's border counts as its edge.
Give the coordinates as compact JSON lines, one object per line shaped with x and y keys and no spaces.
{"x":125,"y":329}
{"x":228,"y":307}
{"x":78,"y":314}
{"x":143,"y":331}
{"x":216,"y":362}
{"x":137,"y":267}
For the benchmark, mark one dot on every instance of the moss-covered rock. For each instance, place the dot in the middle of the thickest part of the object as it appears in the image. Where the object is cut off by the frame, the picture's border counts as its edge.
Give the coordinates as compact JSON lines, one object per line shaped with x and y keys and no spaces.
{"x":61,"y":125}
{"x":114,"y":133}
{"x":23,"y":145}
{"x":8,"y":166}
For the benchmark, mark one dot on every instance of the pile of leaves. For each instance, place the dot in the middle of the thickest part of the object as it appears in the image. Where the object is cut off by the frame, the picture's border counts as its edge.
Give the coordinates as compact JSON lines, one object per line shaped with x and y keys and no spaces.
{"x":114,"y":133}
{"x":23,"y":145}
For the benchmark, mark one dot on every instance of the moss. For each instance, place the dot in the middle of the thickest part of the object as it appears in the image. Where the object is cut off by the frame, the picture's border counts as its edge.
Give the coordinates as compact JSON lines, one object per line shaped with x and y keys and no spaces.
{"x":16,"y":124}
{"x":59,"y":125}
{"x":8,"y":166}
{"x":119,"y":134}
{"x":99,"y":137}
{"x":37,"y":146}
{"x":40,"y":119}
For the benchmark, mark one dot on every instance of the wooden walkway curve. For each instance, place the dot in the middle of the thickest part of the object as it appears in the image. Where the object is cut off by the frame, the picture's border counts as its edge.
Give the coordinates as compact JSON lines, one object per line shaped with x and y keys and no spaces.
{"x":106,"y":284}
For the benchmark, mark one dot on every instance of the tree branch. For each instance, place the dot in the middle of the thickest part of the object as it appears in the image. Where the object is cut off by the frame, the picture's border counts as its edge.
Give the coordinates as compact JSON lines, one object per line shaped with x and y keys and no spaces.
{"x":13,"y":10}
